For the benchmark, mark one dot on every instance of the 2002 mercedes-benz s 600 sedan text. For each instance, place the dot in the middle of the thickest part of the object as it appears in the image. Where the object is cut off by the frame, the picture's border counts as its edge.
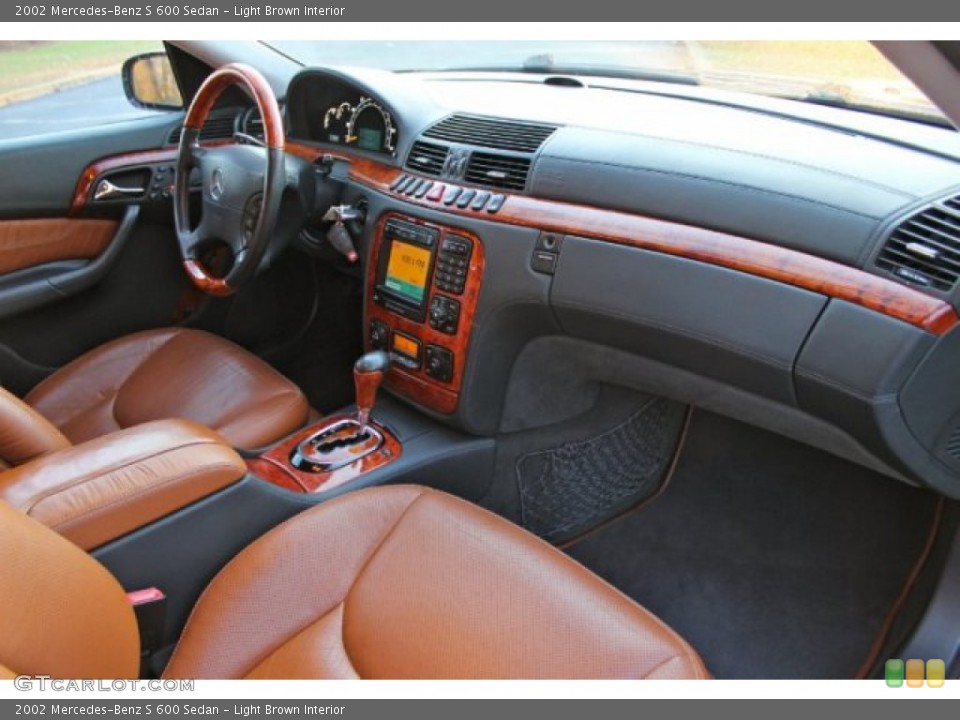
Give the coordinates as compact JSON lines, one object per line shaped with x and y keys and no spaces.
{"x":484,"y":360}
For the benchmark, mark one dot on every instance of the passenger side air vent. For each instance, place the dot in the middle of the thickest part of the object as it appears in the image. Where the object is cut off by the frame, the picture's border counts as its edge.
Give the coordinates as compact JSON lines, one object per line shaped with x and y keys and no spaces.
{"x":497,"y":171}
{"x":491,"y":132}
{"x":427,"y":158}
{"x":925,"y":249}
{"x":215,"y":128}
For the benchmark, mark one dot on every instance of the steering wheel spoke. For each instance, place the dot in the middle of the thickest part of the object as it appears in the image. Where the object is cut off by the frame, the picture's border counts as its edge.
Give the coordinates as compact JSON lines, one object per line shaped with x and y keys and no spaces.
{"x":241,"y":185}
{"x":193,"y":240}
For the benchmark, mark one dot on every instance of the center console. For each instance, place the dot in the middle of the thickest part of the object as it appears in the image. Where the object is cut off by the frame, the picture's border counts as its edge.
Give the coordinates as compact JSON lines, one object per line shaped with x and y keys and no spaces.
{"x":105,"y":488}
{"x":422,"y":289}
{"x":422,"y":285}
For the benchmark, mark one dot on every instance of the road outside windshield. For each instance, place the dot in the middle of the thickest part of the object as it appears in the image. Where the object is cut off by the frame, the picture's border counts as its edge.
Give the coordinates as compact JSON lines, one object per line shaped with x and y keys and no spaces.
{"x":845,"y":73}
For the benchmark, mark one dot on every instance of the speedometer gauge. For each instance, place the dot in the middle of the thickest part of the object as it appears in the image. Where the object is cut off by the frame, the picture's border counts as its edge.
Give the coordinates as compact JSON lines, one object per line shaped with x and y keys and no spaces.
{"x":335,"y":123}
{"x":370,"y":127}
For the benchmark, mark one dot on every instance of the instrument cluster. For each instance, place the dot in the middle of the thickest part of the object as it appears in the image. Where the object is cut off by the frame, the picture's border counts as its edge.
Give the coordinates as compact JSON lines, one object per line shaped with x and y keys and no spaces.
{"x":359,"y":122}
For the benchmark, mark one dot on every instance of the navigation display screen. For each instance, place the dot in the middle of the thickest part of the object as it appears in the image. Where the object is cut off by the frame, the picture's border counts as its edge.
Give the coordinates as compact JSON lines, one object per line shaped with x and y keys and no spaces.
{"x":407,"y":271}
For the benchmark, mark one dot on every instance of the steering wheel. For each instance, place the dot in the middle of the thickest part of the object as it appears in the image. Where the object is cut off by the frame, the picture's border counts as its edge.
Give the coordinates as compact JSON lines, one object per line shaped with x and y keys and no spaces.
{"x":242,"y":185}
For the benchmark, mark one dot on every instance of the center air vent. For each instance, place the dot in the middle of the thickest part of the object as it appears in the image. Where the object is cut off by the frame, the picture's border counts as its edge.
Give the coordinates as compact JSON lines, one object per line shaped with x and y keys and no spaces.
{"x":925,"y":248}
{"x":491,"y":132}
{"x":427,"y":158}
{"x":498,"y":171}
{"x":220,"y":127}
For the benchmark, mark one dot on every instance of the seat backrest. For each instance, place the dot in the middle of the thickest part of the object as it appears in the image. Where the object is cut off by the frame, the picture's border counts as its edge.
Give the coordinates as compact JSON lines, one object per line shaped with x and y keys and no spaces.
{"x":25,"y":433}
{"x":61,"y":613}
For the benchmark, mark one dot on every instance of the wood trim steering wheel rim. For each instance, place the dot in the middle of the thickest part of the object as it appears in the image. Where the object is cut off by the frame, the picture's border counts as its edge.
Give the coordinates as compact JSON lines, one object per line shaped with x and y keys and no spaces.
{"x":198,"y":112}
{"x":238,"y":74}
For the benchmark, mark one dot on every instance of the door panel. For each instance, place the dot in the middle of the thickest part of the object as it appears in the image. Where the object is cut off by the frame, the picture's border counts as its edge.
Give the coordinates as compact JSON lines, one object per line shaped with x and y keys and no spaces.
{"x":145,"y":288}
{"x":73,"y":278}
{"x":77,"y":271}
{"x":28,"y":243}
{"x":38,"y":175}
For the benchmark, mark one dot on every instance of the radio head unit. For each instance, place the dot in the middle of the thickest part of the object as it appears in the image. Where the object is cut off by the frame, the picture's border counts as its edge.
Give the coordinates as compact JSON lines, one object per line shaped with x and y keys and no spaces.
{"x":404,"y":268}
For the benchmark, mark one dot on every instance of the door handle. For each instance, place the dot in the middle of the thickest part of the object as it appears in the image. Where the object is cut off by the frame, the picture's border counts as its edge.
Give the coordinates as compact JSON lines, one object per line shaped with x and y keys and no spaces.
{"x":106,"y":190}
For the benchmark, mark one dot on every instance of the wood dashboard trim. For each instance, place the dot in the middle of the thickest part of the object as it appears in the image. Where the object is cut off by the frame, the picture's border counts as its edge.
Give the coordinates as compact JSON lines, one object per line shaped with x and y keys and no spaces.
{"x":753,"y":257}
{"x":416,"y":384}
{"x":274,"y":465}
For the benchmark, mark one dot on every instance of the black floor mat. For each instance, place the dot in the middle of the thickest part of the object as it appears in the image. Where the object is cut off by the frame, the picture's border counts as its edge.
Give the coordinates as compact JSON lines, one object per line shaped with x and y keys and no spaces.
{"x":568,"y":489}
{"x":772,"y":559}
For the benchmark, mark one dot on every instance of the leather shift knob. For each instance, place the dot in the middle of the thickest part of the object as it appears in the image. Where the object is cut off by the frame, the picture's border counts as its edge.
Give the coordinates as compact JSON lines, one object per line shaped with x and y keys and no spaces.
{"x":368,"y":373}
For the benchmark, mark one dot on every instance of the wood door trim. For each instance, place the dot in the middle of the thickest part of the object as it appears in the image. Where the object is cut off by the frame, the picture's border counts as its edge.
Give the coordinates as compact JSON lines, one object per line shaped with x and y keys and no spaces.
{"x":753,"y":257}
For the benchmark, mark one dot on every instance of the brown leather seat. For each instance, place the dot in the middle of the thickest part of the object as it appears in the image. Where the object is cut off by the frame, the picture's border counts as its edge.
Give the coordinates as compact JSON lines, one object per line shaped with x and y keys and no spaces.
{"x":397,"y":582}
{"x":155,"y":375}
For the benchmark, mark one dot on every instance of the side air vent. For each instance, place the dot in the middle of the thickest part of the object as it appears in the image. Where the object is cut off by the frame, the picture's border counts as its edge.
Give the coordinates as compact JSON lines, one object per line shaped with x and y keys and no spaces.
{"x":215,"y":128}
{"x":491,"y":132}
{"x":427,"y":158}
{"x":497,"y":171}
{"x":925,"y":249}
{"x":252,"y":124}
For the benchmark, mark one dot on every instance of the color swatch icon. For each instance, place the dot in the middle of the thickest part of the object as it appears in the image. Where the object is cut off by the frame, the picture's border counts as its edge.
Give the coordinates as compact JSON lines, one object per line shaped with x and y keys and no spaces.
{"x":893,"y":672}
{"x":913,"y":672}
{"x":936,"y":673}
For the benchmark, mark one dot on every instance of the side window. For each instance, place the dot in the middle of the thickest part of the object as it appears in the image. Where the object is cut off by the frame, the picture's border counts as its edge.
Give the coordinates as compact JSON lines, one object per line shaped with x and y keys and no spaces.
{"x":55,"y":86}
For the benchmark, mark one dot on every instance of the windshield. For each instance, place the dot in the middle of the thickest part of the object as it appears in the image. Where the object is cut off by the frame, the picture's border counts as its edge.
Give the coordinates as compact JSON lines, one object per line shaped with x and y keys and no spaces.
{"x":843,"y":73}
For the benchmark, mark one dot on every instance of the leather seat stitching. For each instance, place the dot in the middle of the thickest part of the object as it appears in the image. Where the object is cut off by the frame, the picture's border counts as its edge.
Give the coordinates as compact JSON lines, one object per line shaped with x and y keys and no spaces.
{"x":380,"y":543}
{"x":239,"y":412}
{"x":343,"y":601}
{"x":306,"y":627}
{"x":552,"y":549}
{"x":698,"y":666}
{"x":176,"y":332}
{"x":147,"y":491}
{"x":260,"y":658}
{"x":113,"y":396}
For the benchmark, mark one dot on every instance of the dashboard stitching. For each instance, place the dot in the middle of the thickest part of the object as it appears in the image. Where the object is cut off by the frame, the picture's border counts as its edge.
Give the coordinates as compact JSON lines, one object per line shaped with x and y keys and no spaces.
{"x":739,"y":186}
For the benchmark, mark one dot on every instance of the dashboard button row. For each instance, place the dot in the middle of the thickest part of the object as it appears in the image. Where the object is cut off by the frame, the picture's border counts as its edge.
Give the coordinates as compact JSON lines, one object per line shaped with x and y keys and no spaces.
{"x":476,"y":200}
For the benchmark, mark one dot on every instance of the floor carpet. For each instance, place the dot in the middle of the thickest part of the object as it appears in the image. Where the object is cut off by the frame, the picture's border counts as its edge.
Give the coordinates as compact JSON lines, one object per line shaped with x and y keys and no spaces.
{"x":774,"y":560}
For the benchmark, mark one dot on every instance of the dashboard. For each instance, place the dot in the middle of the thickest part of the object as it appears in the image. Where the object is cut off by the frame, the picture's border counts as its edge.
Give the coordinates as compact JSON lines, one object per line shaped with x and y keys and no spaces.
{"x":528,"y":240}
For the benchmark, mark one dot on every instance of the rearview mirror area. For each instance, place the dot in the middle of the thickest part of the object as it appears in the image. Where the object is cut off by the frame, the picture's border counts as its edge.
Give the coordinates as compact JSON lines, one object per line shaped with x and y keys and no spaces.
{"x":149,"y":82}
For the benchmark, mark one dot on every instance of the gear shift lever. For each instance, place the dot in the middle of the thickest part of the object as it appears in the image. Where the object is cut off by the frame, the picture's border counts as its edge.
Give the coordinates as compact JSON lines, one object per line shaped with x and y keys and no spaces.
{"x":368,"y":372}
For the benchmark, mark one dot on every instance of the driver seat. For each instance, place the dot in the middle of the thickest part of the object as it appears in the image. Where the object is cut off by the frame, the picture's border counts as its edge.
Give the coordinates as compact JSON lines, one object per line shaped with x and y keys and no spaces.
{"x":153,"y":375}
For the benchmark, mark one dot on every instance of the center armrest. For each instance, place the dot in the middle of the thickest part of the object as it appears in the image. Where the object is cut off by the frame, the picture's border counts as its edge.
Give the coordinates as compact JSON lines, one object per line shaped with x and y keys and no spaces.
{"x":105,"y":488}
